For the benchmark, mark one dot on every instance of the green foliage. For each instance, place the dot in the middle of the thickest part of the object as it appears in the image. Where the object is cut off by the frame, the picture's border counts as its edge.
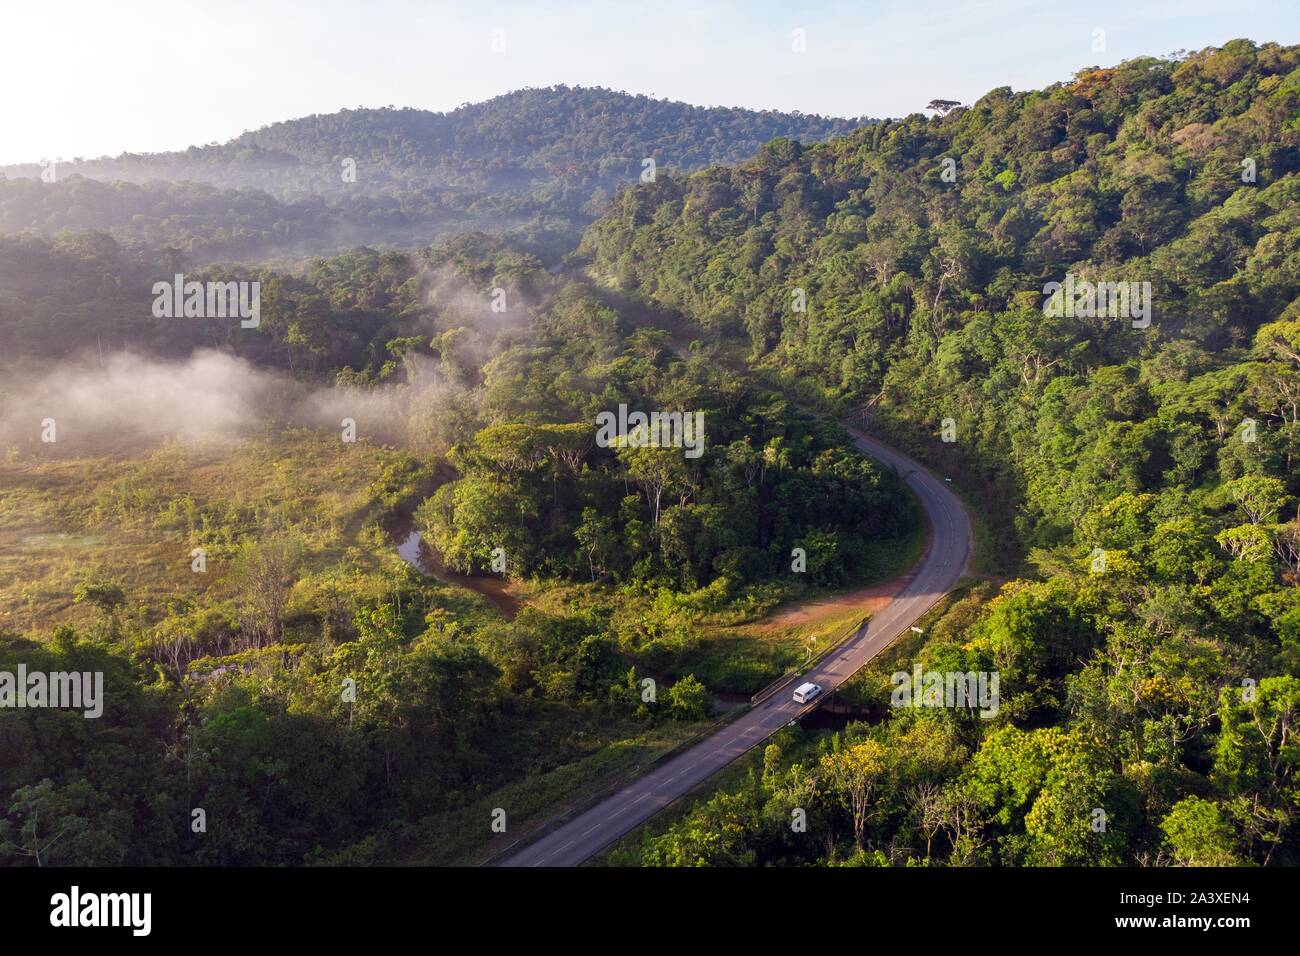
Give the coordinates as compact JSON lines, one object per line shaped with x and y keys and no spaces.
{"x":1147,"y":669}
{"x":1149,"y":656}
{"x":281,"y":189}
{"x":1198,"y":834}
{"x":770,"y":478}
{"x":105,"y":595}
{"x":688,"y":699}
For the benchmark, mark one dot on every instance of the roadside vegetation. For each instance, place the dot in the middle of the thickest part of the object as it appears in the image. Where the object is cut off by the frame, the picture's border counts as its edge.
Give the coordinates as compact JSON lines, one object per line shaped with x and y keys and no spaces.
{"x":1138,"y":479}
{"x":270,"y":659}
{"x":1135,"y":485}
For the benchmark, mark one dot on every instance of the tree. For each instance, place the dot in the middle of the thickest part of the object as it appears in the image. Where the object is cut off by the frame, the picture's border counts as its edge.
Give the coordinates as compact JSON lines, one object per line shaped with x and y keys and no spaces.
{"x":105,"y":595}
{"x":853,"y":773}
{"x":688,"y":699}
{"x":943,"y":107}
{"x":1257,"y":758}
{"x":1198,"y":835}
{"x":598,"y":538}
{"x":50,"y":819}
{"x":1281,"y":337}
{"x":1259,"y":496}
{"x":1247,"y":542}
{"x":472,"y":517}
{"x":264,"y":572}
{"x":657,"y":470}
{"x":716,"y":833}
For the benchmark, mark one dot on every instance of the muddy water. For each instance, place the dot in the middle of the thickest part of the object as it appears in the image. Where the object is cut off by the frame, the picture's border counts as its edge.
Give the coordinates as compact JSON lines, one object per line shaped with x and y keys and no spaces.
{"x":420,"y":555}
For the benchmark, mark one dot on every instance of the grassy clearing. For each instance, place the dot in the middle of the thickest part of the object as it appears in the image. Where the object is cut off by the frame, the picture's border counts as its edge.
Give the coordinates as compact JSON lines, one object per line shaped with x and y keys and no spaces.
{"x":135,"y":519}
{"x":745,"y":659}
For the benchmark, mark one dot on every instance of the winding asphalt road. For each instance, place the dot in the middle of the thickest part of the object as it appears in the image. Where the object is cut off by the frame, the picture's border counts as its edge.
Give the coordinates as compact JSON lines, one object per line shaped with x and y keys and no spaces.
{"x":942,"y":565}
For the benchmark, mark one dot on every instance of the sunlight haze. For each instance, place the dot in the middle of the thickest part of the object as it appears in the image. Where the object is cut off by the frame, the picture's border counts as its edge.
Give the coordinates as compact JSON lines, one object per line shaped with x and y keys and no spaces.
{"x":87,"y":81}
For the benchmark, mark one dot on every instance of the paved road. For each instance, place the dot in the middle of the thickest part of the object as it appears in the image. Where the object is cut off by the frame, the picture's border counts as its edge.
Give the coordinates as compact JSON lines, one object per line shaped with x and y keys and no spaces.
{"x":942,"y":565}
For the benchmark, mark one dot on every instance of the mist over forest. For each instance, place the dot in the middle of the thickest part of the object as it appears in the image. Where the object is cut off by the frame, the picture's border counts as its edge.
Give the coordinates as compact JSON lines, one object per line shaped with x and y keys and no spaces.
{"x":537,"y":163}
{"x":211,"y":513}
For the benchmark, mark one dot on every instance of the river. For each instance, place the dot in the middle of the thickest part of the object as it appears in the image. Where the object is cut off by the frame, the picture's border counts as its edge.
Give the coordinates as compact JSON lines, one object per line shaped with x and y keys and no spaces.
{"x":422,"y":556}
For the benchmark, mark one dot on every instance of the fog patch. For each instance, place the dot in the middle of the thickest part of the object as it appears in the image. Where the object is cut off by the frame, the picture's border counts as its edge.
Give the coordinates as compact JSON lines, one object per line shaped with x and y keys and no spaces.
{"x":93,"y":404}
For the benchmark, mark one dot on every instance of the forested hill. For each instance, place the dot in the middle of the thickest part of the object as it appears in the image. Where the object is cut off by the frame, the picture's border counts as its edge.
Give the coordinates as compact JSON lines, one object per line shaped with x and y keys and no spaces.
{"x":538,"y":163}
{"x":1149,"y":656}
{"x":922,"y":248}
{"x":560,"y":141}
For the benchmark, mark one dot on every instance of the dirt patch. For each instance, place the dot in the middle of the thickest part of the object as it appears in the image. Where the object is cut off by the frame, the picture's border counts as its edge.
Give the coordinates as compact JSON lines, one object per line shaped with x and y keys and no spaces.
{"x":870,"y":600}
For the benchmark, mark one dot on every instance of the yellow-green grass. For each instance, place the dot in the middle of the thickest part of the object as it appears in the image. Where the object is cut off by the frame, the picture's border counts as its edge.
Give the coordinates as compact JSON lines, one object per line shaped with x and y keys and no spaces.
{"x":134,"y":519}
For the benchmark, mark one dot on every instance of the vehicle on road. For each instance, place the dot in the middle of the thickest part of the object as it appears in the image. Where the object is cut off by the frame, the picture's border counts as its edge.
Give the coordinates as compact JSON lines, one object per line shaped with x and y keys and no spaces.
{"x":806,"y":692}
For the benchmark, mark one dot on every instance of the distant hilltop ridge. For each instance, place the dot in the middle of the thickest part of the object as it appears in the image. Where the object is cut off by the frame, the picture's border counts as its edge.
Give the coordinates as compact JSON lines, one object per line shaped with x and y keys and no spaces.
{"x":562,"y":143}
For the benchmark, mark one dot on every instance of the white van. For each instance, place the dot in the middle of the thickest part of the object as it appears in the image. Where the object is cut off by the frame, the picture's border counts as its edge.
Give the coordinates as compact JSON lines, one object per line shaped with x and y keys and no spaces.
{"x":806,"y":692}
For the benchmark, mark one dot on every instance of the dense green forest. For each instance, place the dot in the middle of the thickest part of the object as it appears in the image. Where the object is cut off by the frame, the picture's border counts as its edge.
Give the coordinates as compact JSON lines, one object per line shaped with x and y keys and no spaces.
{"x":1148,"y":649}
{"x":536,"y":158}
{"x":227,"y":685}
{"x":197,"y":223}
{"x":1133,"y":476}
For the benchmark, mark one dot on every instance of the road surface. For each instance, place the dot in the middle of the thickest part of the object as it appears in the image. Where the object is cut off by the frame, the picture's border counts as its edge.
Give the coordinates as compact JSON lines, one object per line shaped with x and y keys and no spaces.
{"x":942,"y":565}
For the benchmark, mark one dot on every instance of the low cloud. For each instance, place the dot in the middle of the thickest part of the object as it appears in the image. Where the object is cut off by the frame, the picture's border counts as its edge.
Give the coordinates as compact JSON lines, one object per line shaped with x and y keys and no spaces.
{"x":93,"y":405}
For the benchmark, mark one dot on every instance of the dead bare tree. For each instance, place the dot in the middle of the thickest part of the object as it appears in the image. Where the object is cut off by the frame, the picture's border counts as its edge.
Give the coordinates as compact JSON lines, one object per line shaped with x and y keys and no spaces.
{"x":264,"y":574}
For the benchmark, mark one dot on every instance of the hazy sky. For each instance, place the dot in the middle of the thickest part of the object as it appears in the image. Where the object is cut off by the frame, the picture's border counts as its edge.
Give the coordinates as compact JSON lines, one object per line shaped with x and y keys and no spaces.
{"x":89,"y":77}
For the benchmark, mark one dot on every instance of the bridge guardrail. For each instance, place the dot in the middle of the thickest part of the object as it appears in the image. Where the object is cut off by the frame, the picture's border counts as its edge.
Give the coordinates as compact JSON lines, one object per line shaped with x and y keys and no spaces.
{"x":641,"y":769}
{"x":821,"y":655}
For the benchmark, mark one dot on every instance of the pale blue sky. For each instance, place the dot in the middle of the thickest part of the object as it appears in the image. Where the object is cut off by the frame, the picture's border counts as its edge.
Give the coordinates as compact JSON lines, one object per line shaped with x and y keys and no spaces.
{"x":88,"y":77}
